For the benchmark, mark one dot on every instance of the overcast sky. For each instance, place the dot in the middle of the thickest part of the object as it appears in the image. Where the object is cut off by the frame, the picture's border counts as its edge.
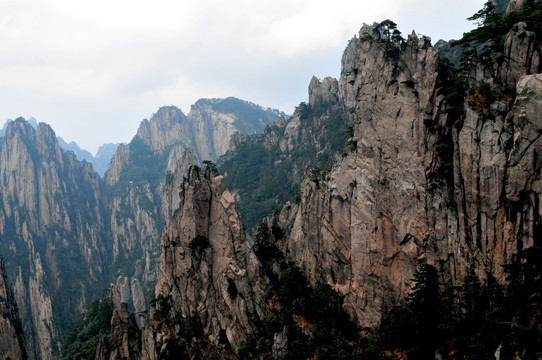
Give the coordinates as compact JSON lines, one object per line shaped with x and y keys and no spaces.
{"x":94,"y":69}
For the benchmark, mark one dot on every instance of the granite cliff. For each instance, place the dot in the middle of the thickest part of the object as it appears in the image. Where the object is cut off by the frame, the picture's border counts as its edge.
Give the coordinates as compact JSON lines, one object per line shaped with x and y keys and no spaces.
{"x":263,"y":171}
{"x":440,"y":170}
{"x":424,"y":183}
{"x":206,"y":286}
{"x":145,"y":176}
{"x":52,"y":233}
{"x":11,"y":331}
{"x":66,"y":233}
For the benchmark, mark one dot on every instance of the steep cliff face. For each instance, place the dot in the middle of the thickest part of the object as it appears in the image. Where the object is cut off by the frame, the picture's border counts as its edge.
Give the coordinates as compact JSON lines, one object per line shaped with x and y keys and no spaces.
{"x":436,"y":171}
{"x":66,"y":234}
{"x":11,"y":331}
{"x":51,"y":232}
{"x":146,"y":174}
{"x":264,"y":171}
{"x":178,"y":167}
{"x":206,"y":282}
{"x":521,"y":55}
{"x":363,"y":226}
{"x":207,"y":128}
{"x":211,"y":130}
{"x":420,"y":186}
{"x":125,"y":338}
{"x":214,"y":121}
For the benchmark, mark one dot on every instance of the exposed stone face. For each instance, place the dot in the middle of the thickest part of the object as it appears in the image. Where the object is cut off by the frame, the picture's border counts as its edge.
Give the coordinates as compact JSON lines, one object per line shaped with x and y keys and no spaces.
{"x":521,"y":55}
{"x":297,"y":134}
{"x":365,"y":227}
{"x":62,"y":233}
{"x":125,"y":342}
{"x":120,"y":159}
{"x":525,"y":119}
{"x":323,"y":92}
{"x":206,"y":267}
{"x":168,"y":126}
{"x":177,"y":170}
{"x":13,"y":344}
{"x":364,"y":221}
{"x":49,"y":220}
{"x":212,"y":131}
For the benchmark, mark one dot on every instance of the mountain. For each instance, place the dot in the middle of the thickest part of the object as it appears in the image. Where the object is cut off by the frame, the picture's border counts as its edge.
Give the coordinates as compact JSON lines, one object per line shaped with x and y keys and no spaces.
{"x":52,"y":233}
{"x":67,"y":234}
{"x":156,"y":160}
{"x":100,"y":162}
{"x":103,"y":157}
{"x":265,"y":170}
{"x":81,"y":154}
{"x":31,"y":121}
{"x":421,"y":241}
{"x":420,"y":237}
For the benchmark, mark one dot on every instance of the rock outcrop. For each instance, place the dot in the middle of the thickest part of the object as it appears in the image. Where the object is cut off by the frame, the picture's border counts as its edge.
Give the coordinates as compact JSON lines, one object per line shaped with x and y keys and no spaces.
{"x":125,"y":339}
{"x":265,"y":171}
{"x":366,"y":226}
{"x":206,"y":282}
{"x":521,"y":55}
{"x":419,"y":182}
{"x":514,"y":5}
{"x":13,"y":344}
{"x":361,"y":228}
{"x":146,"y":174}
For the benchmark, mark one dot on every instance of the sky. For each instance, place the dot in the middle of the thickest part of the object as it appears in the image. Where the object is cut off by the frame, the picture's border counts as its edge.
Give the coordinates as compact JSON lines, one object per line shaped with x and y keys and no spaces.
{"x":94,"y":69}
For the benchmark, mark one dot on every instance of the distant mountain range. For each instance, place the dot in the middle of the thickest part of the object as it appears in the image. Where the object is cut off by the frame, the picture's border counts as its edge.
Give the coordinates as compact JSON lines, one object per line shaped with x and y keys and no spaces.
{"x":242,"y":118}
{"x":100,"y":162}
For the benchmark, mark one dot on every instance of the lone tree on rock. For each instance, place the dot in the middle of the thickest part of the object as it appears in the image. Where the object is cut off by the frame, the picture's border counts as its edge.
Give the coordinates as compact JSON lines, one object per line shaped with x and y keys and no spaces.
{"x":389,"y":28}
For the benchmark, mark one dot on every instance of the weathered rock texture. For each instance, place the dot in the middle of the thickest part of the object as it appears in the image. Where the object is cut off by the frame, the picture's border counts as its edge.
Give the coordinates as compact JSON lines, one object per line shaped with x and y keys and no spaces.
{"x":363,"y":227}
{"x":514,"y":5}
{"x":125,"y":340}
{"x":416,"y":184}
{"x":264,"y":171}
{"x":366,"y":226}
{"x":66,"y":234}
{"x":146,"y":174}
{"x":51,"y":230}
{"x":521,"y":55}
{"x":206,"y":271}
{"x":12,"y":341}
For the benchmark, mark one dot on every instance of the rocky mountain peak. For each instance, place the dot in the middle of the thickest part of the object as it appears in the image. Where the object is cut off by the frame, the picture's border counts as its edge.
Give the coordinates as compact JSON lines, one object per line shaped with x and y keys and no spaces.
{"x":205,"y":272}
{"x":124,"y":342}
{"x":323,"y":91}
{"x":164,"y":129}
{"x":51,"y":206}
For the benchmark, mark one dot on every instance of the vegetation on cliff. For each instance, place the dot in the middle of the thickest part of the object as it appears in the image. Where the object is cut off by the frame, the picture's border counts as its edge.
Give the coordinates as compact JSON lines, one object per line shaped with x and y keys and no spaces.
{"x":471,"y":321}
{"x":83,"y":338}
{"x":265,"y":173}
{"x":493,"y":25}
{"x":474,"y":320}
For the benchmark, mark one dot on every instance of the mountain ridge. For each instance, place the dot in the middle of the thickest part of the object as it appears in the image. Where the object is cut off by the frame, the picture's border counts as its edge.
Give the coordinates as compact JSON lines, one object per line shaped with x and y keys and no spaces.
{"x":67,"y":234}
{"x":440,"y":183}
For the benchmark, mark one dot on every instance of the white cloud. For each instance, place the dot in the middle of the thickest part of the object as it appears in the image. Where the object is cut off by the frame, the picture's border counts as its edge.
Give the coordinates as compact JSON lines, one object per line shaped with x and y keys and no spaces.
{"x":116,"y":61}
